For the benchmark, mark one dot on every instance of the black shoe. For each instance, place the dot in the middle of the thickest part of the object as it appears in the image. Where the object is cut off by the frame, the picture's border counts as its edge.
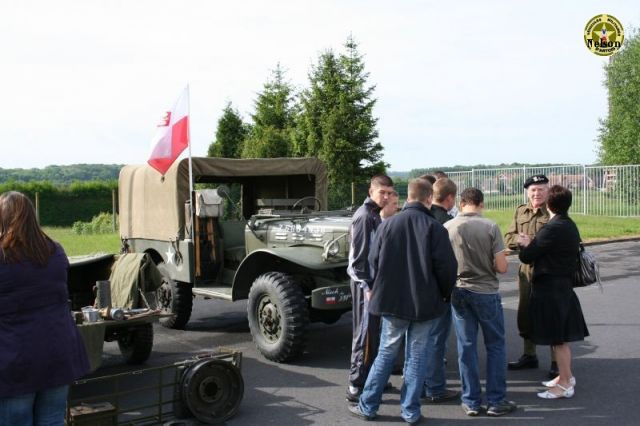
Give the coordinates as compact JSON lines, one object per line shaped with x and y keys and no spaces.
{"x":448,"y":395}
{"x":353,"y":396}
{"x":525,"y":361}
{"x":388,"y":387}
{"x":553,"y":370}
{"x":504,"y":407}
{"x":355,"y":411}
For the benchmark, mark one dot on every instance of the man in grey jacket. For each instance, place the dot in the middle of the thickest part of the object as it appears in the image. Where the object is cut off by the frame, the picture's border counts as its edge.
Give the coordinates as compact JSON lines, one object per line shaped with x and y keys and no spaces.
{"x":366,"y":329}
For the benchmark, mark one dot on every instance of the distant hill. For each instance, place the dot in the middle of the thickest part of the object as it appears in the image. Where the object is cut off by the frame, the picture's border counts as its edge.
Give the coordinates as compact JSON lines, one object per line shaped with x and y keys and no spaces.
{"x":62,"y":175}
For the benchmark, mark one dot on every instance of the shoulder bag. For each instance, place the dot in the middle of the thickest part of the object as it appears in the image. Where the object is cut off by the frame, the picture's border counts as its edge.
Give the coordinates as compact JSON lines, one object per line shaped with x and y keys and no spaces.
{"x":588,"y":272}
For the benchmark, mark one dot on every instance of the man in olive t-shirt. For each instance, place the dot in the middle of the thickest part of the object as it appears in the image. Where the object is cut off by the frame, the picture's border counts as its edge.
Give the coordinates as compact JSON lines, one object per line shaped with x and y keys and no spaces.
{"x":475,"y":301}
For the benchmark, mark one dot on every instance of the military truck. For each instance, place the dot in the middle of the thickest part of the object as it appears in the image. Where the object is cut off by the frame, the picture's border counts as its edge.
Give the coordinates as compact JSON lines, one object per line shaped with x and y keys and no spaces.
{"x":253,"y":229}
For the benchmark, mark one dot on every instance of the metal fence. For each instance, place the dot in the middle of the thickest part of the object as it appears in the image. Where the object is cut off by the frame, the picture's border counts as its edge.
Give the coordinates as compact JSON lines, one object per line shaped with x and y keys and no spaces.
{"x":597,"y":190}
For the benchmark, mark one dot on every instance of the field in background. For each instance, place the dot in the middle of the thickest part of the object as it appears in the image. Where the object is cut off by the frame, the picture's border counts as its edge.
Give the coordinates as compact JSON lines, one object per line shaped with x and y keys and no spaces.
{"x":591,"y":227}
{"x":84,"y":244}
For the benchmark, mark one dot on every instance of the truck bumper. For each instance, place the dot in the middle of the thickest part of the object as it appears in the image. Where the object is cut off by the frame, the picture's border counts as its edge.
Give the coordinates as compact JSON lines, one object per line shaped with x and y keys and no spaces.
{"x":331,"y":298}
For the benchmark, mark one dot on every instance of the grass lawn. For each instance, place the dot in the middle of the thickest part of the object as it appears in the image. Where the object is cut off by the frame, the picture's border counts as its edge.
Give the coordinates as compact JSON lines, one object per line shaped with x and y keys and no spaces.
{"x":84,"y":244}
{"x":591,"y":228}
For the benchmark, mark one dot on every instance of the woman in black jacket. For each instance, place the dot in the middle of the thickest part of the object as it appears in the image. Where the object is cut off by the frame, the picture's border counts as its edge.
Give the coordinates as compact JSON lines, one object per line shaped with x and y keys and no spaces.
{"x":556,"y":315}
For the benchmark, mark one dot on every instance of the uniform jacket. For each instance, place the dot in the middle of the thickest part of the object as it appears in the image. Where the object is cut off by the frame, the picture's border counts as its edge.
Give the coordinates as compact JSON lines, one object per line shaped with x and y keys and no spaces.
{"x":40,"y":346}
{"x":364,"y":223}
{"x":529,"y":221}
{"x":413,"y":265}
{"x":526,"y":220}
{"x":554,"y":250}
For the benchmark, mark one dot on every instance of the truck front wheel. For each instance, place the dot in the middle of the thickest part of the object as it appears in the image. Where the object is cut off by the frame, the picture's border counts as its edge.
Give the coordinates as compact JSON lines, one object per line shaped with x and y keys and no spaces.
{"x":278,"y":316}
{"x":174,"y":297}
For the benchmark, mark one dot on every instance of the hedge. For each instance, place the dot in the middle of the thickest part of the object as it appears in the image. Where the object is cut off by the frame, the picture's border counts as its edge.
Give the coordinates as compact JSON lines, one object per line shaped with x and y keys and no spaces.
{"x":64,"y":205}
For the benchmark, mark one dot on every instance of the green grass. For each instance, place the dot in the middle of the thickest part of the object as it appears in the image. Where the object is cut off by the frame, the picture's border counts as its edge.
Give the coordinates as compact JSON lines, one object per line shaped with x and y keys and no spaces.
{"x":84,"y":244}
{"x":591,"y":227}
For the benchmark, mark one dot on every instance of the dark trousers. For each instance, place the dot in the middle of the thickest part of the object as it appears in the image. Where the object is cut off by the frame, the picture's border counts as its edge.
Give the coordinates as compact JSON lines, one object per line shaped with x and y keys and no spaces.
{"x":365,"y":340}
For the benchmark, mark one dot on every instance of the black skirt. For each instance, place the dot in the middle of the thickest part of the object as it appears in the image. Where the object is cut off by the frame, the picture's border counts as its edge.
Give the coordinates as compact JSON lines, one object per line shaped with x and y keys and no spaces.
{"x":555,"y":312}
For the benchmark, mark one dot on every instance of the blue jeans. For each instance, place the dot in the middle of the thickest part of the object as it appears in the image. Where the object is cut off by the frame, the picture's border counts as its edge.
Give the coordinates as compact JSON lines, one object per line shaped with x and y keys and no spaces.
{"x":470,"y":310}
{"x":436,"y":382}
{"x":44,"y":408}
{"x":416,"y":334}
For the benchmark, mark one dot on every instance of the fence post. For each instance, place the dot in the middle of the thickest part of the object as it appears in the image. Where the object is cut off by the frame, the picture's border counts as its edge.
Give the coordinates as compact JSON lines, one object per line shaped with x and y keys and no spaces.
{"x":524,"y":178}
{"x":113,"y":209}
{"x":584,"y":189}
{"x":353,"y":194}
{"x":38,"y":206}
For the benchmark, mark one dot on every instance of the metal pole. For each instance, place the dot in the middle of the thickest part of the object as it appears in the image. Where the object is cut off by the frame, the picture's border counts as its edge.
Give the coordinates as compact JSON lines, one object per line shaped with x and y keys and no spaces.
{"x":190,"y":167}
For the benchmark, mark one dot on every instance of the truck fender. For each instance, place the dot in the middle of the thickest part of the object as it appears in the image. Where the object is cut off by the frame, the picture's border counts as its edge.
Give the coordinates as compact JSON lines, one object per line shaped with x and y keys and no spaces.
{"x":285,"y":259}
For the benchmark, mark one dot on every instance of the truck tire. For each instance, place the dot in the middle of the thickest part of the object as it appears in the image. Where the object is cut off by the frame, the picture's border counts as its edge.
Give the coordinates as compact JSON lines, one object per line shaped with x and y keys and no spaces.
{"x":278,"y":316}
{"x":174,"y":297}
{"x":136,"y":343}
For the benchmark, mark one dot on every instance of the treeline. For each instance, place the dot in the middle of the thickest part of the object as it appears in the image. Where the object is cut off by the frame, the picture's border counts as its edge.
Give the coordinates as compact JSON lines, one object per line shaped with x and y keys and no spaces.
{"x":331,"y":119}
{"x":62,"y":205}
{"x":62,"y":175}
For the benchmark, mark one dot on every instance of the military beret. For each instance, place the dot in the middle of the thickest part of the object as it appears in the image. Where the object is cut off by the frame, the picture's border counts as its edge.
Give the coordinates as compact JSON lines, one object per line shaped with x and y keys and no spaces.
{"x":535,"y":179}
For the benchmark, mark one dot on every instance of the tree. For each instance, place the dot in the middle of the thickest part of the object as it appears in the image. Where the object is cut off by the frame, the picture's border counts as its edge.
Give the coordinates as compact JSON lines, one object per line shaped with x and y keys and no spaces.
{"x":230,"y":135}
{"x":620,"y":132}
{"x":273,"y":120}
{"x":337,"y":123}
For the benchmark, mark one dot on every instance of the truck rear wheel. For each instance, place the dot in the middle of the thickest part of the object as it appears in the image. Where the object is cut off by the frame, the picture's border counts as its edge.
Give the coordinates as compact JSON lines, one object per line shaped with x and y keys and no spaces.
{"x":278,"y":316}
{"x":174,"y":297}
{"x":136,"y":343}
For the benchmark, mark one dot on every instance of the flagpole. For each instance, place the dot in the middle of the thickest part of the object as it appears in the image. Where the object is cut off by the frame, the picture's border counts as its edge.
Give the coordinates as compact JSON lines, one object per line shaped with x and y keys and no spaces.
{"x":192,"y":219}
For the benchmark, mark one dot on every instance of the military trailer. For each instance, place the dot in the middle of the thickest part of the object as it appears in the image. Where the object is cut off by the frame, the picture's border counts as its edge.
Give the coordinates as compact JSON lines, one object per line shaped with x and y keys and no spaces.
{"x":258,"y":230}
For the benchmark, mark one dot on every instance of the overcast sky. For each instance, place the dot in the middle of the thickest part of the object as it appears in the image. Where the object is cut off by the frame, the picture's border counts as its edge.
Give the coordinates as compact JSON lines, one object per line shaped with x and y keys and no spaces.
{"x":460,"y":82}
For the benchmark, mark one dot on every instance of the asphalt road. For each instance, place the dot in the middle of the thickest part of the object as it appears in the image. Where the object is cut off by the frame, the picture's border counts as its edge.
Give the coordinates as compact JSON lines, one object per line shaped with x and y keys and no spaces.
{"x":311,"y":390}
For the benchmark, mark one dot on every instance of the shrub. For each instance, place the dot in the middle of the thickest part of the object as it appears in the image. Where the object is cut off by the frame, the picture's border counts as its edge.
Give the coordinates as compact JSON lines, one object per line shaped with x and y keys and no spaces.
{"x":100,"y":224}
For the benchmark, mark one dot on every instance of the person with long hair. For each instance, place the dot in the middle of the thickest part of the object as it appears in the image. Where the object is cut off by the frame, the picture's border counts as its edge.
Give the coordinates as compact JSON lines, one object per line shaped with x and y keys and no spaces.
{"x":554,"y":309}
{"x":41,"y":350}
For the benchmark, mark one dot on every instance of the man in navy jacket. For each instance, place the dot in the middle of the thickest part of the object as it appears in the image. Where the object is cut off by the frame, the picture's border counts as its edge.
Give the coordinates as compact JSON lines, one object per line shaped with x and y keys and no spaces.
{"x":414,"y":270}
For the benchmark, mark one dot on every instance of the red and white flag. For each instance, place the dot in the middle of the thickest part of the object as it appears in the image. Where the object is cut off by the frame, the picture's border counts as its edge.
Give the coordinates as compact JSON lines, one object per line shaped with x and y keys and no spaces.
{"x":172,"y":135}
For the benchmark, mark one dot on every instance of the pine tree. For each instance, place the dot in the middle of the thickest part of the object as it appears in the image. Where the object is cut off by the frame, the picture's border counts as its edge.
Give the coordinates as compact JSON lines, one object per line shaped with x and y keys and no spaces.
{"x":337,"y":123}
{"x":230,"y":135}
{"x":273,"y":120}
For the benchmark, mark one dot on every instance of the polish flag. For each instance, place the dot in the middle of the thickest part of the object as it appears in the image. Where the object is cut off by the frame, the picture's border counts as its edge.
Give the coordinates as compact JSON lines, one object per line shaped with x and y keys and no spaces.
{"x":172,"y":135}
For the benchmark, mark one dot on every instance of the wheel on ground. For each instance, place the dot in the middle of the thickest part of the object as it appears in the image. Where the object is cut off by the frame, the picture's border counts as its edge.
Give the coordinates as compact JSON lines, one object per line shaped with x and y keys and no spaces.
{"x":174,"y":297}
{"x":136,"y":343}
{"x":278,"y":316}
{"x":212,"y":390}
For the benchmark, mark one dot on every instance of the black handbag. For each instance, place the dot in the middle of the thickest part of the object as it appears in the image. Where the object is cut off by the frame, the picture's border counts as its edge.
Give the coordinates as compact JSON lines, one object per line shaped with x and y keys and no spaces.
{"x":588,"y":272}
